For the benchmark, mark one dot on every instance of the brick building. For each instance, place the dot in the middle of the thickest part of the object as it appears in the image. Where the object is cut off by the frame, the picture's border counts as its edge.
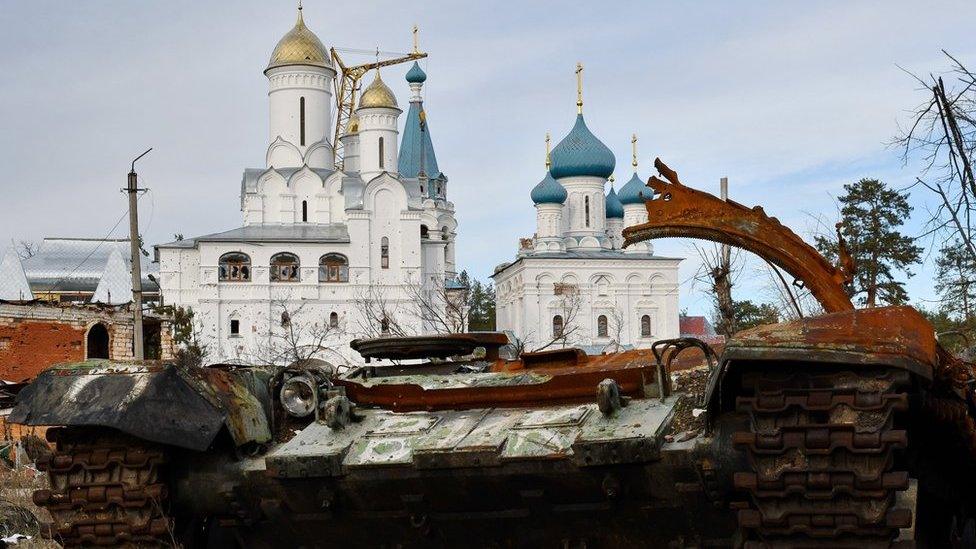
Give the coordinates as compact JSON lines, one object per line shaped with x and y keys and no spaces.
{"x":36,"y":335}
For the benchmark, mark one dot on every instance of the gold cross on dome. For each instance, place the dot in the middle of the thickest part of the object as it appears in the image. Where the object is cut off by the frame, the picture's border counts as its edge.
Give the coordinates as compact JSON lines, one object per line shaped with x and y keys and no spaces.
{"x":633,"y":143}
{"x":579,"y":88}
{"x":416,"y":40}
{"x":548,"y":159}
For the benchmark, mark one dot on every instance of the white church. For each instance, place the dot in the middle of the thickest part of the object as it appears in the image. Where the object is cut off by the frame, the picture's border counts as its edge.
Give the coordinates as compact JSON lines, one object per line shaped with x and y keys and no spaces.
{"x":325,"y":254}
{"x":572,"y":283}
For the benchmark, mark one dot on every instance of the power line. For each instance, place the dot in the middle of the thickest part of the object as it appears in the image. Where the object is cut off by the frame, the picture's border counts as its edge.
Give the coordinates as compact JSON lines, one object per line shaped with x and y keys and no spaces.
{"x":91,"y":253}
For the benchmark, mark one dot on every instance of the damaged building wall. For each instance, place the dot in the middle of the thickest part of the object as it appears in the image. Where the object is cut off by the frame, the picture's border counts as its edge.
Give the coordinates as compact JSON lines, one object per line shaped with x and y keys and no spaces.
{"x":37,"y":335}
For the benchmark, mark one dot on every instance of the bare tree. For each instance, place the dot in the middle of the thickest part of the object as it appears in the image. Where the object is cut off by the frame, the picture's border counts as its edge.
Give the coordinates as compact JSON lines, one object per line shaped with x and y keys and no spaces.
{"x":442,"y":307}
{"x":719,"y":271}
{"x":27,"y":249}
{"x":615,"y":327}
{"x":567,"y":312}
{"x":295,"y":336}
{"x":942,"y":135}
{"x":518,"y":344}
{"x":303,"y":337}
{"x":381,"y":315}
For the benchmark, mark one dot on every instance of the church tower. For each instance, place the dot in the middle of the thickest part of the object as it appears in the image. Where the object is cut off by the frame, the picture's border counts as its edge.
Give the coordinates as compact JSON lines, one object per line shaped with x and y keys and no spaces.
{"x":300,"y":74}
{"x":581,"y":163}
{"x":632,"y":196}
{"x":378,"y":114}
{"x":548,"y":197}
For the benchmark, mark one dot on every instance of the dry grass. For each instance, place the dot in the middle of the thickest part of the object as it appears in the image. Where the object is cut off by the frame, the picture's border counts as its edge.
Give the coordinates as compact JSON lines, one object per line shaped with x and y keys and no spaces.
{"x":16,"y":487}
{"x":18,"y":514}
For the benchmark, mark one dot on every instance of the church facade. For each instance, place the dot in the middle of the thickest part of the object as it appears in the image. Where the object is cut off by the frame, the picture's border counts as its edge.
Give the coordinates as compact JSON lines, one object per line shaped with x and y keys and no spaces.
{"x":325,"y":253}
{"x":572,"y":282}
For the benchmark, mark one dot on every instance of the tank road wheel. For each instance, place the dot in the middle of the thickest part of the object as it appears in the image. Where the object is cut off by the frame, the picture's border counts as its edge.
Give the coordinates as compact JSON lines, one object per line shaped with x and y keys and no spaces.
{"x":106,"y":490}
{"x":820,"y":448}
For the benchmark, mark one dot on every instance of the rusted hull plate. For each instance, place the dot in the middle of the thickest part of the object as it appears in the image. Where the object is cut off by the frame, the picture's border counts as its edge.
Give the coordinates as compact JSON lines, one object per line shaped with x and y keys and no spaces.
{"x":513,"y":388}
{"x":895,"y":336}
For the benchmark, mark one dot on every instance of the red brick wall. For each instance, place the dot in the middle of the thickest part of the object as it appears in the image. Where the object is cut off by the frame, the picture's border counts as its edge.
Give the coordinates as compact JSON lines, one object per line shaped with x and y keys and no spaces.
{"x":27,"y":347}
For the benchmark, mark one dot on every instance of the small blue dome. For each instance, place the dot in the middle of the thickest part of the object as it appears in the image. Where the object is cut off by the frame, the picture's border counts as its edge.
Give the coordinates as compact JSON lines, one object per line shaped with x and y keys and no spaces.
{"x":549,"y":191}
{"x":581,"y":153}
{"x":635,"y":191}
{"x":416,"y":75}
{"x":614,"y":208}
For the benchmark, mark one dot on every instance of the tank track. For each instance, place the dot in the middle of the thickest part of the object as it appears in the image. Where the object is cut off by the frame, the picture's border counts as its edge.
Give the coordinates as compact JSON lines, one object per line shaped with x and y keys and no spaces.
{"x":821,"y":454}
{"x":106,"y":490}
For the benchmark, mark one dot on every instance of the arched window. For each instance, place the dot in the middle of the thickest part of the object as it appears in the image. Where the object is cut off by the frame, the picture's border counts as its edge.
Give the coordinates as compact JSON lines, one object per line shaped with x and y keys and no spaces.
{"x":235,"y":327}
{"x":234,"y":267}
{"x":424,"y":231}
{"x":285,"y":268}
{"x":646,"y":326}
{"x":445,"y":233}
{"x":385,"y":253}
{"x":333,"y":268}
{"x":385,"y":325}
{"x":304,"y":210}
{"x":381,"y":152}
{"x":557,"y":326}
{"x":601,"y":326}
{"x":586,"y":208}
{"x":334,"y":320}
{"x":301,"y":120}
{"x":97,"y":342}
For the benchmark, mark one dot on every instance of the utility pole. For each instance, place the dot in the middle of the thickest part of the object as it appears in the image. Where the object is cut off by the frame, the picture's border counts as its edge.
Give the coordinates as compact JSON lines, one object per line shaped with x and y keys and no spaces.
{"x":726,"y":251}
{"x":133,"y":189}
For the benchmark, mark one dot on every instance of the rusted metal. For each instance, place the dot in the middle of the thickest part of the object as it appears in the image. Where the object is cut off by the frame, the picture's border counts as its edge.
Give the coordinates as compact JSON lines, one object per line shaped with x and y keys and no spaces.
{"x":552,"y":377}
{"x":821,"y":453}
{"x":680,"y":211}
{"x":894,"y":336}
{"x":105,"y":491}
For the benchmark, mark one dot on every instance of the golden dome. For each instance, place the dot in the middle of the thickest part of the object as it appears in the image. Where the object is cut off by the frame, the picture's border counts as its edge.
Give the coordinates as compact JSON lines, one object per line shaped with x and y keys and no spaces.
{"x":353,"y":126}
{"x":378,"y":95}
{"x":300,"y":47}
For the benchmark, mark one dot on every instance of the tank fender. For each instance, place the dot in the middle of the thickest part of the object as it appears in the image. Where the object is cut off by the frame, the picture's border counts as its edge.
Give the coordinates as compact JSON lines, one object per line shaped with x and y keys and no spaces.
{"x":896,"y":337}
{"x":156,"y":402}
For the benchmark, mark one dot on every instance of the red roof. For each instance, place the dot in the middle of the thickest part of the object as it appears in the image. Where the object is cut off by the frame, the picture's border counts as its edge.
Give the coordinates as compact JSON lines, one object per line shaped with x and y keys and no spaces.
{"x":695,"y":326}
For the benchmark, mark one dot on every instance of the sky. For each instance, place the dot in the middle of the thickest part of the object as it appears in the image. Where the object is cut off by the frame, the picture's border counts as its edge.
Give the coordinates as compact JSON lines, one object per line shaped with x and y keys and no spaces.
{"x":788,"y":100}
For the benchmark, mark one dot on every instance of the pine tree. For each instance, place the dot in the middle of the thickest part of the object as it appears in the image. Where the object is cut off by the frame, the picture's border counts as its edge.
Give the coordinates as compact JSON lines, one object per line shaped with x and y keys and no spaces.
{"x":871,"y":214}
{"x":955,"y":281}
{"x":481,"y":303}
{"x":749,"y":315}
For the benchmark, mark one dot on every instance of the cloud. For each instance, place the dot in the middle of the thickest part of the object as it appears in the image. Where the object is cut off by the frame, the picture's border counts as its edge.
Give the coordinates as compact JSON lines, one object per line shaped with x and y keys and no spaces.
{"x":788,"y":100}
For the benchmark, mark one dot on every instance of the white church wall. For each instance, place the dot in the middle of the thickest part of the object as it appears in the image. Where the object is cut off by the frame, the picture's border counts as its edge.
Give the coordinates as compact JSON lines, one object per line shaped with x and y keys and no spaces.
{"x":526,"y":300}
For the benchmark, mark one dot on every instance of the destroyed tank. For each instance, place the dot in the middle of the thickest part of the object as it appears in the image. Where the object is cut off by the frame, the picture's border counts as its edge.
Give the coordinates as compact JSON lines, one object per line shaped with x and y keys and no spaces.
{"x":849,"y":429}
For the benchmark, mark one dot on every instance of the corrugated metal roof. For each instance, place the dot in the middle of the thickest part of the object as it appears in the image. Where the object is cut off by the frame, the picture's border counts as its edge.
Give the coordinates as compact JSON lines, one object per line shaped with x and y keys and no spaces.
{"x":77,"y":264}
{"x":13,"y":281}
{"x":298,"y":232}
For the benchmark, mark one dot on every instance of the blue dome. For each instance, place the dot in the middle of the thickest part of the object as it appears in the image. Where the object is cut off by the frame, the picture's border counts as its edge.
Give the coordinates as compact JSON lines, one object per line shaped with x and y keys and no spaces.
{"x":614,"y":208}
{"x":635,"y":191}
{"x":581,"y":153}
{"x":548,"y":191}
{"x":416,"y":75}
